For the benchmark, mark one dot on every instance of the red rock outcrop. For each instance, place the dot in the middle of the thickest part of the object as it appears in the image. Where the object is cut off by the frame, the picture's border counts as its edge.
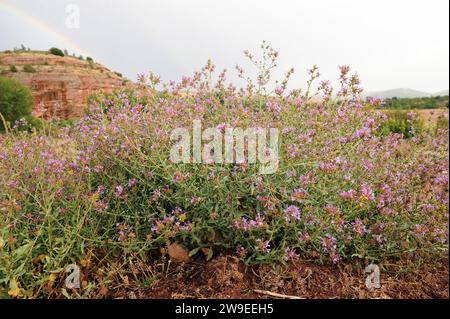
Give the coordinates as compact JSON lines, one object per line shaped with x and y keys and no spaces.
{"x":60,"y":85}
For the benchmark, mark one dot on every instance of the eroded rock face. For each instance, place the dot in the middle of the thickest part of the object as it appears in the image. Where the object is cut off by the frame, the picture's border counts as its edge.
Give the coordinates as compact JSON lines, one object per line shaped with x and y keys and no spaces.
{"x":61,"y":85}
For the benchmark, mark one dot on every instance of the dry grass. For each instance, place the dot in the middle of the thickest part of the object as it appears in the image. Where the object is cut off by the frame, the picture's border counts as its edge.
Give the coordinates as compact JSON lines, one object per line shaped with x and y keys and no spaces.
{"x":429,"y":116}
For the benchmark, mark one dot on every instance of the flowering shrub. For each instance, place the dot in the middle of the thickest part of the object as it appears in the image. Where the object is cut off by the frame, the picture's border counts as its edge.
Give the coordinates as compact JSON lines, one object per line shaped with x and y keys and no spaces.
{"x":107,"y":186}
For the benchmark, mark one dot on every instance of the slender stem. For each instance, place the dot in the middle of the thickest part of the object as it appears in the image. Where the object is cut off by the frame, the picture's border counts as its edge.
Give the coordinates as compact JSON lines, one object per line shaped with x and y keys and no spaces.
{"x":5,"y":124}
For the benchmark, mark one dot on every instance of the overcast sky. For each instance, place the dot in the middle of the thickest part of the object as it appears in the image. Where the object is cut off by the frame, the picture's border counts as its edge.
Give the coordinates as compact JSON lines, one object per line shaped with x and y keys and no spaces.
{"x":390,"y":43}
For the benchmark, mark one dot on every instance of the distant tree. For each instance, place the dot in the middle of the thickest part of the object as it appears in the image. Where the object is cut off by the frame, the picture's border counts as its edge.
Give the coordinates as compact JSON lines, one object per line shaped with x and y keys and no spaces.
{"x":56,"y":51}
{"x":66,"y":52}
{"x":13,"y":68}
{"x":16,"y":101}
{"x":89,"y":59}
{"x":23,"y":47}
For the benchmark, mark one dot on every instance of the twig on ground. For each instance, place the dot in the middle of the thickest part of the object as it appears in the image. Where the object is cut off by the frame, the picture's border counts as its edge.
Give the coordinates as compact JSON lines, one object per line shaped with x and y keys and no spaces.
{"x":277,"y":295}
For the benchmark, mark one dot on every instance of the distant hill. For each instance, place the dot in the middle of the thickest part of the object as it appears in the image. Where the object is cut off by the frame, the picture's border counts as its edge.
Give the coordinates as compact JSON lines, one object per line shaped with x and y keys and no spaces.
{"x":442,"y":93}
{"x":399,"y":93}
{"x":61,"y":84}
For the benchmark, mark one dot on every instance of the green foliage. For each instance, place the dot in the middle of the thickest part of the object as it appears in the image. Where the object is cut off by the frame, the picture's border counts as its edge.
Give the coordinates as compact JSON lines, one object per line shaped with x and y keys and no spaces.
{"x":29,"y":68}
{"x":28,"y":123}
{"x":402,"y":122}
{"x":60,"y":123}
{"x":16,"y":101}
{"x":56,"y":51}
{"x":13,"y":68}
{"x":89,"y":59}
{"x":416,"y":103}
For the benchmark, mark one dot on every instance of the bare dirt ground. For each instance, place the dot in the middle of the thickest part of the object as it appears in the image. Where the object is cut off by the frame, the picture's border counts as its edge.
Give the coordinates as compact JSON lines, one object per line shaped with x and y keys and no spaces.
{"x":225,"y":277}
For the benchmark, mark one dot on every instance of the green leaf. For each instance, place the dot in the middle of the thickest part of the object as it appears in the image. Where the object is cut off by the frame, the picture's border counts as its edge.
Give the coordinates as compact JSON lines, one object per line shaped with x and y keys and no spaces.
{"x":210,"y":254}
{"x":194,"y":251}
{"x":22,"y":250}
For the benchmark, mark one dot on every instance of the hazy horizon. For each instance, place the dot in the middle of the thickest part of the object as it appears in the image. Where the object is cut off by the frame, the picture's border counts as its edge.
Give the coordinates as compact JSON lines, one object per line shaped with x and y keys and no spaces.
{"x":390,"y":44}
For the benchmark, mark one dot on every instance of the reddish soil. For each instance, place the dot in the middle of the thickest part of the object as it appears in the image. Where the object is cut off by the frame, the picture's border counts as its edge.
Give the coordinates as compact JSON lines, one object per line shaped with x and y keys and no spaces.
{"x":225,"y":277}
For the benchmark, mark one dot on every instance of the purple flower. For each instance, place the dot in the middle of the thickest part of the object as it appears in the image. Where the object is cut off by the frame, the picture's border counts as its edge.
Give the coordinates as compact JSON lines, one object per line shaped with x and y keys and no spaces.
{"x":298,"y":195}
{"x":292,"y":212}
{"x":249,"y":224}
{"x":350,"y":194}
{"x":195,"y":200}
{"x":290,"y":254}
{"x":101,"y":189}
{"x":303,"y":236}
{"x":119,"y":191}
{"x":132,"y":182}
{"x":367,"y":192}
{"x":330,"y":209}
{"x":359,"y":228}
{"x":329,"y":243}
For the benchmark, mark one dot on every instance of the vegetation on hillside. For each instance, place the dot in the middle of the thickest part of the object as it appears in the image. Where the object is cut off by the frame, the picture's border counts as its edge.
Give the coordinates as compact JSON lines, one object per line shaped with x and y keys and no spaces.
{"x":6,"y":70}
{"x":29,"y":68}
{"x":56,"y":51}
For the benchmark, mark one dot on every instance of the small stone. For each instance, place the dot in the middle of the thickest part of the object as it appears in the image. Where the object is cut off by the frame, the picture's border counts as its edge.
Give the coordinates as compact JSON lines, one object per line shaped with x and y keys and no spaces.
{"x":178,"y":253}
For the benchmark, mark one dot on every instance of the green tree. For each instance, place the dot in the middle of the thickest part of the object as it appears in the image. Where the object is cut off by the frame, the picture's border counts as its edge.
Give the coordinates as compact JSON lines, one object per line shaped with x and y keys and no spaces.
{"x":16,"y":101}
{"x":56,"y":51}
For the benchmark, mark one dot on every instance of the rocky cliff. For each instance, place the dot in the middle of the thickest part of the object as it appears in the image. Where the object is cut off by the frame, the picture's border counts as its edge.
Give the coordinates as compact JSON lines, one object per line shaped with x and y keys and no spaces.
{"x":60,"y":85}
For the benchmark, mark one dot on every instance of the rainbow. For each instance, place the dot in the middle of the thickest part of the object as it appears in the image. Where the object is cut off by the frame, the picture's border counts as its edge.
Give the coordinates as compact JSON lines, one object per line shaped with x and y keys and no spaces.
{"x":42,"y":25}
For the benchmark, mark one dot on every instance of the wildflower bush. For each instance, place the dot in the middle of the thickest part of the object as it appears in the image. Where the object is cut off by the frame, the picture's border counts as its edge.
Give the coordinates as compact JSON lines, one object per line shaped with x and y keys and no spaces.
{"x":107,"y":188}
